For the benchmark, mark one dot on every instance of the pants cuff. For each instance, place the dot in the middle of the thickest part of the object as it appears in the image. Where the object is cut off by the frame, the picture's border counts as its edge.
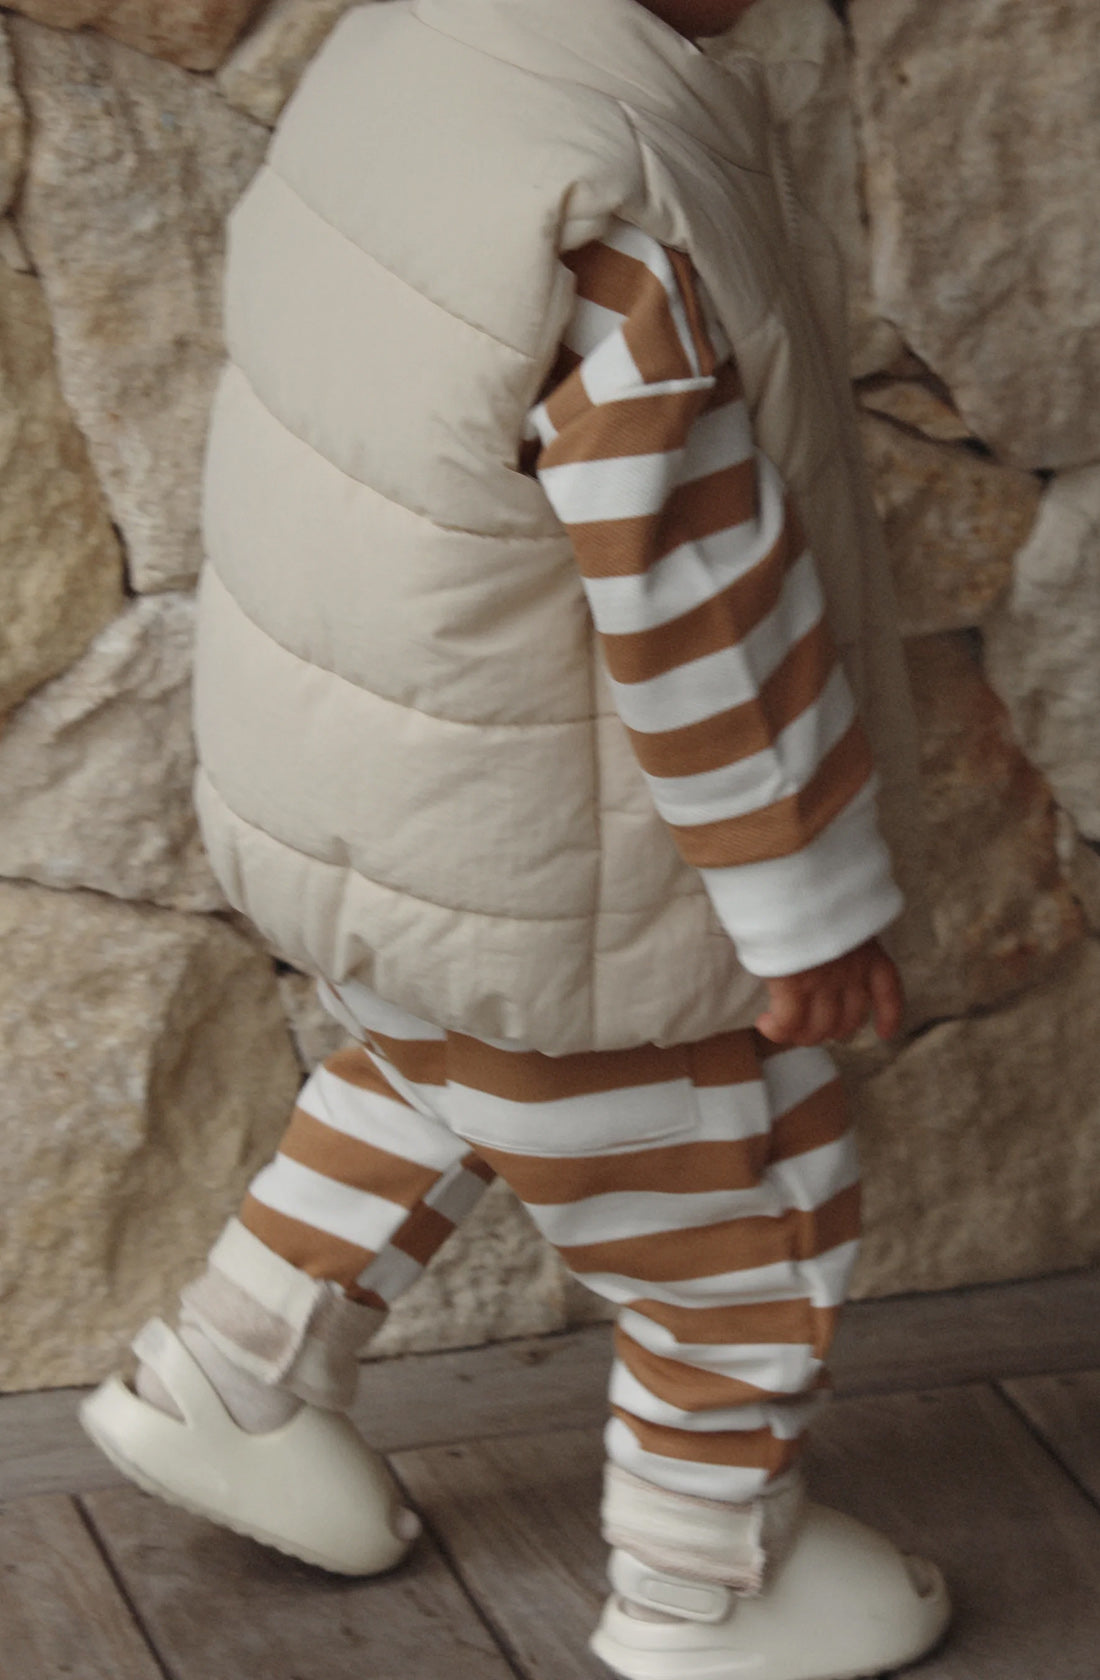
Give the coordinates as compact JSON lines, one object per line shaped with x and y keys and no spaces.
{"x":703,"y":1539}
{"x":284,"y":1327}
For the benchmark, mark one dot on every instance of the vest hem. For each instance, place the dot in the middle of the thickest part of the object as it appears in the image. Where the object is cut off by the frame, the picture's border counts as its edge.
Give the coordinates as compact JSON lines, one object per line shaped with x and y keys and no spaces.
{"x":406,"y":892}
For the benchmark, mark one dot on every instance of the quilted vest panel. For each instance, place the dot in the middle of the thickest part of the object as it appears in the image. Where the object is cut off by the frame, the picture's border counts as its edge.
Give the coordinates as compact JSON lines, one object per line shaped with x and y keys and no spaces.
{"x":411,"y":772}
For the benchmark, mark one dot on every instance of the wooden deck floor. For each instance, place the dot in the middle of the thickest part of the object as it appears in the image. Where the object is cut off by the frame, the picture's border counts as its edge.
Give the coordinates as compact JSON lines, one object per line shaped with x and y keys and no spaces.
{"x":966,"y":1425}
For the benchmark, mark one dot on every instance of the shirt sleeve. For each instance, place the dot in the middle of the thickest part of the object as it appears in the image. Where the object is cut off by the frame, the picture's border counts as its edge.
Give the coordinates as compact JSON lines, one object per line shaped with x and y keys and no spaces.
{"x":710,"y":612}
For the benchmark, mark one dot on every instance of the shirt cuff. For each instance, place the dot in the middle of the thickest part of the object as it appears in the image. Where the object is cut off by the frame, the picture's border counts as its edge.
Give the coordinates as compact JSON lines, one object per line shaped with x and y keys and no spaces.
{"x":792,"y":913}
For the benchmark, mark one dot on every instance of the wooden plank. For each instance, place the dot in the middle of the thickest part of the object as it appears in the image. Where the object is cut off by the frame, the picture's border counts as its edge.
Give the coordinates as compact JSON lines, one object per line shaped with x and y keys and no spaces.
{"x":43,"y":1448}
{"x":548,"y":1382}
{"x":903,"y":1343}
{"x":421,"y":1399}
{"x":889,"y":1346}
{"x":953,"y":1474}
{"x":1065,"y":1411}
{"x":970,"y":1335}
{"x":61,"y":1614}
{"x":511,"y":1388}
{"x":518,"y":1517}
{"x":216,"y":1607}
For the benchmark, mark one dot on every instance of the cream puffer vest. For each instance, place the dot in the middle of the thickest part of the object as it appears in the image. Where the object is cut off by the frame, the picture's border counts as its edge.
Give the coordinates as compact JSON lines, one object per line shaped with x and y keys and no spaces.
{"x":411,"y":770}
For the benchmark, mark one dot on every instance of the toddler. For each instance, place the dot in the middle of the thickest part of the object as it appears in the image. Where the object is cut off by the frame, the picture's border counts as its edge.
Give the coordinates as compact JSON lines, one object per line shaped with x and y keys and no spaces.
{"x":549,"y":703}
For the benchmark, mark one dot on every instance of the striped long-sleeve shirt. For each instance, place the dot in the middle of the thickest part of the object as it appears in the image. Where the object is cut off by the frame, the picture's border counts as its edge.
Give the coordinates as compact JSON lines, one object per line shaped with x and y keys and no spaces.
{"x":710,"y":611}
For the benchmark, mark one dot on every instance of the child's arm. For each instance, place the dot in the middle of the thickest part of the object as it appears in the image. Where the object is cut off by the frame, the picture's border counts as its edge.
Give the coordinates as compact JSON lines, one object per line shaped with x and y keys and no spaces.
{"x":712,"y":620}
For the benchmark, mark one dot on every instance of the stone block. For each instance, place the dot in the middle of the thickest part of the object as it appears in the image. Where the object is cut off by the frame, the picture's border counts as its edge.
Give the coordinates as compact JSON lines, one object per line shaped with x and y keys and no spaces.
{"x":953,"y":522}
{"x":1042,"y":645}
{"x":194,"y":33}
{"x":13,"y":124}
{"x":61,"y":578}
{"x":1080,"y":860}
{"x":148,"y":1073}
{"x":981,"y":1143}
{"x":1083,"y":874}
{"x":915,"y":404}
{"x":12,"y":250}
{"x":982,"y":152}
{"x":133,"y":168}
{"x":1003,"y":911}
{"x":96,"y":768}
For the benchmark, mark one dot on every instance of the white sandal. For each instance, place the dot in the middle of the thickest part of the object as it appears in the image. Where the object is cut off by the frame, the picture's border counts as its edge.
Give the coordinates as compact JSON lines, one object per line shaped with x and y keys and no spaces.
{"x":844,"y":1605}
{"x":312,"y":1488}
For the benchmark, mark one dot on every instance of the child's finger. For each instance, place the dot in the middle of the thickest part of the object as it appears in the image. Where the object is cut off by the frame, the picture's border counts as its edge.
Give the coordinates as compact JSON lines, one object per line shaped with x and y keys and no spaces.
{"x":770,"y":1025}
{"x":857,"y":1006}
{"x":782,"y":1021}
{"x":886,"y":998}
{"x":823,"y":1017}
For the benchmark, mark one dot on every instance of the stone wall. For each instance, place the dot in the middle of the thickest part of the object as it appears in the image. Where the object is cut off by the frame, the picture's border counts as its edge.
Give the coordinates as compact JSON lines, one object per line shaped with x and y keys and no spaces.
{"x":150,"y":1046}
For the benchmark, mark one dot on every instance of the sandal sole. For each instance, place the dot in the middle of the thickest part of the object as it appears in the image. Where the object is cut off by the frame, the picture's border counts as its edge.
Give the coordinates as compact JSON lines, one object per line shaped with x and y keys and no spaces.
{"x":172,"y":1496}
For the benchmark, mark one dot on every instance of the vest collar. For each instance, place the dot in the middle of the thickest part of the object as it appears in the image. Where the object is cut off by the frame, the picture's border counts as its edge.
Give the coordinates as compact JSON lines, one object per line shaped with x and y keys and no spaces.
{"x":622,"y":50}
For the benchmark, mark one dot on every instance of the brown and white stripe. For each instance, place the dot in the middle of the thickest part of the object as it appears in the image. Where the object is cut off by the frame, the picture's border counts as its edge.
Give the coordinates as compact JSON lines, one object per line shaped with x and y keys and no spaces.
{"x":708,"y":1189}
{"x":710,"y":611}
{"x":363,"y":1189}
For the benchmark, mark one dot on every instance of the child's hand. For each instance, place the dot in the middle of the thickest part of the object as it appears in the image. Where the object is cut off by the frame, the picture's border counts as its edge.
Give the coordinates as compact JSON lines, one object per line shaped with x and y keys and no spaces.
{"x":835,"y":999}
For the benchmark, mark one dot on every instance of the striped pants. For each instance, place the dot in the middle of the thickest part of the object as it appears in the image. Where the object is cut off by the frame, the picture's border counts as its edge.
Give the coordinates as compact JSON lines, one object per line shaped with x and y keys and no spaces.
{"x":709,"y":1190}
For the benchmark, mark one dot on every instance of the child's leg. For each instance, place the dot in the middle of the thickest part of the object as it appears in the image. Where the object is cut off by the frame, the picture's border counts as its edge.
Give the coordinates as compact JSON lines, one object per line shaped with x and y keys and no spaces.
{"x":723,"y":1337}
{"x":239,"y":1417}
{"x":711,"y":1191}
{"x":363,"y":1190}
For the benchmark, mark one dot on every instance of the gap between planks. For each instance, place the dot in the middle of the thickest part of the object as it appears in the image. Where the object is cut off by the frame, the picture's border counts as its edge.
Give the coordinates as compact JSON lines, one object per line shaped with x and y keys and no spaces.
{"x":60,"y":1608}
{"x":1064,"y":1412}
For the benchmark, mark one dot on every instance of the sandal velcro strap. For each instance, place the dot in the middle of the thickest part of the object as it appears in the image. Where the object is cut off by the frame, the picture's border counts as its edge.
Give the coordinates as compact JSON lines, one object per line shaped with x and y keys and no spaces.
{"x":161,"y":1349}
{"x":673,"y":1595}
